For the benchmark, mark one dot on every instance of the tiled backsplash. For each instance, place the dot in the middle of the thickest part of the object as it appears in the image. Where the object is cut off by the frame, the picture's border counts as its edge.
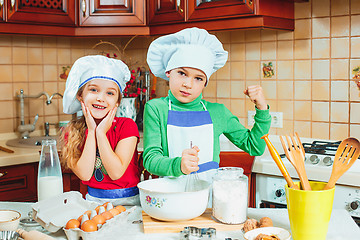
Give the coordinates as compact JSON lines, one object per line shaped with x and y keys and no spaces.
{"x":312,"y":83}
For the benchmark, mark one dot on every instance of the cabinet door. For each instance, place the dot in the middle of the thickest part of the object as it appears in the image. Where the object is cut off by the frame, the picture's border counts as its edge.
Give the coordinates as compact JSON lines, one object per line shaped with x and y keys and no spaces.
{"x":45,"y":12}
{"x":166,"y":11}
{"x":112,"y":13}
{"x":215,"y":9}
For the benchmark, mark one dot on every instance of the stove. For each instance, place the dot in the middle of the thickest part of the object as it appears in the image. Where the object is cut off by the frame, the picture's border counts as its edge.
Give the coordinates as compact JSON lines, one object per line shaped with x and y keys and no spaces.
{"x":319,"y":157}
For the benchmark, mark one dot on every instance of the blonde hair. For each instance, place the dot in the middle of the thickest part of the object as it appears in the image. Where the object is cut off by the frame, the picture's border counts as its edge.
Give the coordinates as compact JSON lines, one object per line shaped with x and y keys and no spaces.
{"x":72,"y":138}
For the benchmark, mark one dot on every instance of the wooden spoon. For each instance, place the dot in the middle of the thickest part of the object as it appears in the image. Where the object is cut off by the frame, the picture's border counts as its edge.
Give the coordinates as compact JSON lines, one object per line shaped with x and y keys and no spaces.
{"x":275,"y":155}
{"x":296,"y":155}
{"x":345,"y":156}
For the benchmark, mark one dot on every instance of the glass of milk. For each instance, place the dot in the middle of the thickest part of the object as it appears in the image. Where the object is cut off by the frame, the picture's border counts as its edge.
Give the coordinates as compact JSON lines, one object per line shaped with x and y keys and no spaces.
{"x":50,"y":182}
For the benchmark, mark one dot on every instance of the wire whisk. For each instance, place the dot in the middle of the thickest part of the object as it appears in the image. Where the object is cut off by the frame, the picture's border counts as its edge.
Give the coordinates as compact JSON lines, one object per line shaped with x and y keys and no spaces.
{"x":192,"y":181}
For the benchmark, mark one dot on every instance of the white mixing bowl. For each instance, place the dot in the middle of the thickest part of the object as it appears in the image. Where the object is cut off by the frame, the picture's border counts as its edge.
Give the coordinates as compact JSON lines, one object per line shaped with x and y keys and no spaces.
{"x":9,"y":220}
{"x":166,"y":199}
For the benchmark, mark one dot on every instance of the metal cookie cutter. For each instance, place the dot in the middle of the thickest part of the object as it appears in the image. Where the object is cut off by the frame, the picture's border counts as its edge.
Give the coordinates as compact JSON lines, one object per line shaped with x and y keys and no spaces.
{"x":194,"y":233}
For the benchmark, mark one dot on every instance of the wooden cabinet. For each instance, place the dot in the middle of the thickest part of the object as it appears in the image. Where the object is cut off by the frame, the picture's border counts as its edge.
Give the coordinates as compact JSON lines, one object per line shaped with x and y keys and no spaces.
{"x":168,"y":16}
{"x":112,"y":13}
{"x":47,"y":12}
{"x":18,"y":183}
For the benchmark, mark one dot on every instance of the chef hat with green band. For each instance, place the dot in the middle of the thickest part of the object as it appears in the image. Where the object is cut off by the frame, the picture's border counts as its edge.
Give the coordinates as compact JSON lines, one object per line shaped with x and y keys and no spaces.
{"x":88,"y":68}
{"x":191,"y":47}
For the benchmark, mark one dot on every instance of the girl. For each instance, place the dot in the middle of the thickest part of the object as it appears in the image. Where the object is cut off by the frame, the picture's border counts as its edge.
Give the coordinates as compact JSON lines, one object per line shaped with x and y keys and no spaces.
{"x":187,"y":59}
{"x":99,"y":147}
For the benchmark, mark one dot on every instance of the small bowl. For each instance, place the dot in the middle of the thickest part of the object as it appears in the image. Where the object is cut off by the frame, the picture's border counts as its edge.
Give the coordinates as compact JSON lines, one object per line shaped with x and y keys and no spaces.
{"x":9,"y":235}
{"x":281,"y":233}
{"x":9,"y":220}
{"x":165,"y":199}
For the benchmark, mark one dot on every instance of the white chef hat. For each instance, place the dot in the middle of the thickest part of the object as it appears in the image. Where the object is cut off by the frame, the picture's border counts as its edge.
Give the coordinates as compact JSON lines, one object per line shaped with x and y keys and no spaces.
{"x":88,"y":68}
{"x":191,"y":47}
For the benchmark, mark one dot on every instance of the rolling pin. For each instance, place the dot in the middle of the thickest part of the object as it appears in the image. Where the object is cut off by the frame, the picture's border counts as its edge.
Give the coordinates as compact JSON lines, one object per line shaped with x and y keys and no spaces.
{"x":33,"y":235}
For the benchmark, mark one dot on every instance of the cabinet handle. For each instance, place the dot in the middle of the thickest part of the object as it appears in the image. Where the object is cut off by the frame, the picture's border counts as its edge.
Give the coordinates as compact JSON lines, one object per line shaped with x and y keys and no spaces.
{"x":1,"y":3}
{"x":84,"y":7}
{"x":2,"y":174}
{"x":13,"y":4}
{"x":178,"y":4}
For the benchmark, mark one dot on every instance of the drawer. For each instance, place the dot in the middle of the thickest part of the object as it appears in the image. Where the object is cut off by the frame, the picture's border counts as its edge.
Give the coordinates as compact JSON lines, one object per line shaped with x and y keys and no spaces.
{"x":18,"y":183}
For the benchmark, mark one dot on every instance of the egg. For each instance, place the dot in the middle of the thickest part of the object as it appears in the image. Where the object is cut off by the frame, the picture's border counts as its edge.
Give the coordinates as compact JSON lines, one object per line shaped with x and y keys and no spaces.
{"x":99,"y":219}
{"x":114,"y":211}
{"x":83,"y":218}
{"x":72,"y":223}
{"x":120,"y":208}
{"x":89,"y":226}
{"x":107,"y":215}
{"x":100,"y":209}
{"x":109,"y":206}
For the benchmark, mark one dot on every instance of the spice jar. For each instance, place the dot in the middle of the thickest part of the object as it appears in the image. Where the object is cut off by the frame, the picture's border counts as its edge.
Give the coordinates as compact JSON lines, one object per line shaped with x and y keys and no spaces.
{"x":230,"y":195}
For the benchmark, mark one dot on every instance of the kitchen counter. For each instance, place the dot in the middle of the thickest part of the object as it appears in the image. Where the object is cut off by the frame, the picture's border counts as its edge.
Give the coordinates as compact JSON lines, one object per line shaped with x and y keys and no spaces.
{"x":29,"y":155}
{"x":341,"y":225}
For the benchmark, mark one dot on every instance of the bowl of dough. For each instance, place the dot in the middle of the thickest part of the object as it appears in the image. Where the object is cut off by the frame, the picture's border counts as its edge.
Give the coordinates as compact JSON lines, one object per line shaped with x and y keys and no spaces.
{"x":166,"y":199}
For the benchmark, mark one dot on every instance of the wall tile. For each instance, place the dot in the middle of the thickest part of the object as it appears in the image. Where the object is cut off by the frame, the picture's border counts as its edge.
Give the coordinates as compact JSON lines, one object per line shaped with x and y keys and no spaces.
{"x":237,"y":70}
{"x":223,"y":36}
{"x":302,"y":69}
{"x":269,"y":88}
{"x":354,"y":130}
{"x":302,"y":90}
{"x":238,"y":107}
{"x":339,"y":90}
{"x":355,"y":27}
{"x":34,"y":41}
{"x":320,"y":69}
{"x":354,"y":92}
{"x":285,"y":90}
{"x":321,"y":27}
{"x":320,"y":48}
{"x":237,"y":89}
{"x":237,"y":52}
{"x":36,"y":73}
{"x":51,"y":73}
{"x":19,"y":41}
{"x":288,"y":127}
{"x":5,"y":55}
{"x":302,"y":110}
{"x":320,"y":111}
{"x":252,"y":51}
{"x":320,"y":130}
{"x":35,"y":55}
{"x":252,"y":70}
{"x":339,"y":68}
{"x":303,"y":128}
{"x":76,"y":54}
{"x":19,"y":55}
{"x":340,"y":26}
{"x":20,"y":73}
{"x":285,"y":35}
{"x":285,"y":50}
{"x":5,"y":73}
{"x":338,"y":131}
{"x":287,"y":108}
{"x":355,"y":47}
{"x":223,"y":89}
{"x":354,"y":112}
{"x":302,"y":10}
{"x":320,"y":90}
{"x":5,"y":40}
{"x":237,"y":36}
{"x":268,"y":50}
{"x":5,"y":94}
{"x":320,"y":8}
{"x":339,"y":112}
{"x":6,"y":125}
{"x":210,"y":89}
{"x":224,"y":72}
{"x":285,"y":69}
{"x":63,"y":56}
{"x":302,"y":49}
{"x":340,"y":7}
{"x":9,"y":113}
{"x":268,"y":35}
{"x":224,"y":101}
{"x":252,"y":35}
{"x":302,"y":29}
{"x":355,"y":6}
{"x":340,"y":47}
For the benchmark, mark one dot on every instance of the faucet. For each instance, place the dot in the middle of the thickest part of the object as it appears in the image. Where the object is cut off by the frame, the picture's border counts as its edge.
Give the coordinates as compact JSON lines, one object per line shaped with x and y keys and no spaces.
{"x":47,"y":128}
{"x":23,"y":128}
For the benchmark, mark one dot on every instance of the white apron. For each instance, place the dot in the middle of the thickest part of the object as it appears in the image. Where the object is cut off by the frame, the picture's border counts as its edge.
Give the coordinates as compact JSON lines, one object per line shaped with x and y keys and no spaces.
{"x":192,"y":127}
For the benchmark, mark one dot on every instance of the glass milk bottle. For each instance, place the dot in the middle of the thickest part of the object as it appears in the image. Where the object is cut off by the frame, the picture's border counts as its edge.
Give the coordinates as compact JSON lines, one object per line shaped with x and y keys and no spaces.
{"x":50,"y":182}
{"x":230,"y":195}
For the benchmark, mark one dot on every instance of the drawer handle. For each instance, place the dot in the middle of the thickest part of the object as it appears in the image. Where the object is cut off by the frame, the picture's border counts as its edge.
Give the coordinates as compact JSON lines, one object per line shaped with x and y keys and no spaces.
{"x":12,"y":4}
{"x":179,"y":3}
{"x":3,"y":174}
{"x":84,"y":7}
{"x":1,"y":3}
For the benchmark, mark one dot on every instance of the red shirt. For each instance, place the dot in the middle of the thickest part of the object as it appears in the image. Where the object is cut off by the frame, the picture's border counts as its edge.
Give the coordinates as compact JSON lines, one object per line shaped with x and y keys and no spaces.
{"x":121,"y":128}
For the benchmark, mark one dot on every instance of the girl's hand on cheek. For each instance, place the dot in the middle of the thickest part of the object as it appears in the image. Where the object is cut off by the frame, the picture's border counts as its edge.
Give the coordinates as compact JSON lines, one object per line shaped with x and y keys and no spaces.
{"x":190,"y":160}
{"x":90,"y":122}
{"x":106,"y":123}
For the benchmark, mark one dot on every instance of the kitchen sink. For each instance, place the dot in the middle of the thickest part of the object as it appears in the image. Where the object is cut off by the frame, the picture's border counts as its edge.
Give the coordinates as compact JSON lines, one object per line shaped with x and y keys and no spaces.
{"x":31,"y":142}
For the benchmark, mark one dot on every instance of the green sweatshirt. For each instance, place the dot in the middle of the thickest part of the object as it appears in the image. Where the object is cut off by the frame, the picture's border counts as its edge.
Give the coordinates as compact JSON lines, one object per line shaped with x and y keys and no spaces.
{"x":156,"y":153}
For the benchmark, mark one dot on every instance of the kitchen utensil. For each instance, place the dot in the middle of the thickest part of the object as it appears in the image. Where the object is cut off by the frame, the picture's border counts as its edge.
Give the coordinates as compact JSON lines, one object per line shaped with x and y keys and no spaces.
{"x":345,"y":156}
{"x":9,"y":235}
{"x":281,"y":233}
{"x":197,"y":233}
{"x":165,"y":199}
{"x":33,"y":235}
{"x":275,"y":155}
{"x":9,"y":220}
{"x":192,"y":179}
{"x":309,"y":211}
{"x":6,"y":149}
{"x":152,"y":225}
{"x":296,"y":154}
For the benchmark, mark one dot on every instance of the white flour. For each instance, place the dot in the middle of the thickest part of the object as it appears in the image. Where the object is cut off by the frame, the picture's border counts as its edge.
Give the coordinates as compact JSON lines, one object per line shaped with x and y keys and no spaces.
{"x":230,"y":200}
